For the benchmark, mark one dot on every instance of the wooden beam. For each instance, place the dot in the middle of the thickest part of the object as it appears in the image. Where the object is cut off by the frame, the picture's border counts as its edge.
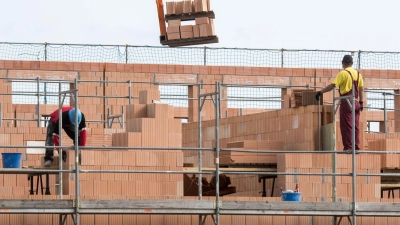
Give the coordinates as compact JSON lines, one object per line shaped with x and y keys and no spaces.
{"x":161,"y":19}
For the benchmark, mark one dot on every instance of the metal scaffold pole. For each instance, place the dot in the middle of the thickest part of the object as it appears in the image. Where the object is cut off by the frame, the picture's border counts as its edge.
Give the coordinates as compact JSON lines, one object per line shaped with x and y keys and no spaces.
{"x":353,"y":139}
{"x":199,"y":144}
{"x":217,"y":104}
{"x":76,"y":145}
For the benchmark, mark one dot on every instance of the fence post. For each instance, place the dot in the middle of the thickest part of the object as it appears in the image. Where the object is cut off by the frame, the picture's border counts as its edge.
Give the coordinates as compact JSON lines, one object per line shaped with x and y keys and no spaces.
{"x":282,"y":52}
{"x":126,"y":54}
{"x":45,"y":51}
{"x":205,"y":55}
{"x":359,"y":59}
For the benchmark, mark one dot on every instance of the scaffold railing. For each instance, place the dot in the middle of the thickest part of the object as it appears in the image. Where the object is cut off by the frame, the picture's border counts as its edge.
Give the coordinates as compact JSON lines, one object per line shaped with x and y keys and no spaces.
{"x":287,"y":58}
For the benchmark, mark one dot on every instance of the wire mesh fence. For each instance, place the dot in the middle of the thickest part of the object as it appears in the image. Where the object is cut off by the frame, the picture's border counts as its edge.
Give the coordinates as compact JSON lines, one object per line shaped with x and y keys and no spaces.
{"x":288,"y":58}
{"x":23,"y":93}
{"x":254,"y":97}
{"x":380,"y":100}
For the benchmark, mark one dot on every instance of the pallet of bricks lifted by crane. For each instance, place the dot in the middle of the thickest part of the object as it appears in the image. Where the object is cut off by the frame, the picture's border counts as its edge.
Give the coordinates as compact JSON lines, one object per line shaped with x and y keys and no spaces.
{"x":198,"y":10}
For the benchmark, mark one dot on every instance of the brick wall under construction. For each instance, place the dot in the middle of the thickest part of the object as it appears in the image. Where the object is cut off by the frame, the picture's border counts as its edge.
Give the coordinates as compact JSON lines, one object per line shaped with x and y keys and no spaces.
{"x":153,"y":125}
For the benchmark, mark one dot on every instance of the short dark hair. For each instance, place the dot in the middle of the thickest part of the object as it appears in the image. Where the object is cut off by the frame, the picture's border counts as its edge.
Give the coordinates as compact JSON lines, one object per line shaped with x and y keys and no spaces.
{"x":347,"y":59}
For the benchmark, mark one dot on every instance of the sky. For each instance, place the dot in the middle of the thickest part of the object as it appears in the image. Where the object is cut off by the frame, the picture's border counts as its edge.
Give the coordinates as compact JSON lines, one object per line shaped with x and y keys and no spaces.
{"x":291,"y":24}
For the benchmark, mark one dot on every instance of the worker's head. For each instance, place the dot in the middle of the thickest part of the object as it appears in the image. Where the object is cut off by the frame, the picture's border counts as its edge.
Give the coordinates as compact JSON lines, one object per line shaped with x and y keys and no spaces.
{"x":347,"y":61}
{"x":71,"y":115}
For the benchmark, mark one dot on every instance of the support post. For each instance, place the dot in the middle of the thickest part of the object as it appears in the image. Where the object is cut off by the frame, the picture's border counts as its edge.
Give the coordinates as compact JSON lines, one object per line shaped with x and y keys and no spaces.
{"x":217,"y":114}
{"x":38,"y":101}
{"x":76,"y":145}
{"x":199,"y":139}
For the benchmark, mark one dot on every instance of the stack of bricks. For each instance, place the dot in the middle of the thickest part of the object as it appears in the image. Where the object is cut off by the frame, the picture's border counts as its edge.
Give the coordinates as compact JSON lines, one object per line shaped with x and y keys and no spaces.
{"x":187,"y":6}
{"x":228,"y":157}
{"x":297,"y":99}
{"x":296,"y":127}
{"x":150,"y":125}
{"x":387,"y":145}
{"x":204,"y":27}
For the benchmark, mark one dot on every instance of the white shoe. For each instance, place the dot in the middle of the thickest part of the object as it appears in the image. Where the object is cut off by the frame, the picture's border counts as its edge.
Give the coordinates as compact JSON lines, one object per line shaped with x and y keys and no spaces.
{"x":48,"y":163}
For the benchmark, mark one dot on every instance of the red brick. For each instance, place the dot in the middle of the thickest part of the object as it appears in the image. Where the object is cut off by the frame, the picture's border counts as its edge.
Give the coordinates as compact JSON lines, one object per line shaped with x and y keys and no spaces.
{"x":231,"y":70}
{"x":255,"y":70}
{"x":264,"y":71}
{"x":111,"y":67}
{"x":44,"y":65}
{"x":26,"y":65}
{"x":137,"y":68}
{"x":179,"y":69}
{"x":204,"y":70}
{"x":327,"y":73}
{"x":391,"y":74}
{"x":1,"y":64}
{"x":35,"y":65}
{"x":120,"y":67}
{"x":129,"y":68}
{"x":247,"y":70}
{"x":214,"y":70}
{"x":299,"y":72}
{"x":61,"y":66}
{"x":239,"y":70}
{"x":309,"y":72}
{"x":153,"y":68}
{"x":145,"y":68}
{"x":187,"y":69}
{"x":383,"y":74}
{"x":319,"y":72}
{"x":288,"y":72}
{"x":85,"y":66}
{"x":280,"y":72}
{"x":77,"y":66}
{"x":162,"y":68}
{"x":17,"y":64}
{"x":69,"y":66}
{"x":170,"y":68}
{"x":195,"y":69}
{"x":95,"y":67}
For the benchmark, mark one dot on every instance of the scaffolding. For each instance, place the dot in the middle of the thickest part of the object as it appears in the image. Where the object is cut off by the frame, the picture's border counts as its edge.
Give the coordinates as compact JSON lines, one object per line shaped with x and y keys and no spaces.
{"x":202,"y":207}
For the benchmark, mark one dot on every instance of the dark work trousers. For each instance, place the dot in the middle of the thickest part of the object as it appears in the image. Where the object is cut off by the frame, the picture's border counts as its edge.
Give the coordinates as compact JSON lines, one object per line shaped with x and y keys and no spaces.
{"x":346,"y":125}
{"x":52,"y":129}
{"x":346,"y":120}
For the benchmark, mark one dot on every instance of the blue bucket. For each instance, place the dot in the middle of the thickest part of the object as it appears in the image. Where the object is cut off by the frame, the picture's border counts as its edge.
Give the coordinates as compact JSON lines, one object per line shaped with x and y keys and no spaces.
{"x":291,"y":196}
{"x":11,"y":159}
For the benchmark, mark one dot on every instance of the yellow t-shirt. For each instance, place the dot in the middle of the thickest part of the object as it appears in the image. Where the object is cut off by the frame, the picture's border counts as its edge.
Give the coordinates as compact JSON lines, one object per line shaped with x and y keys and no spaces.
{"x":344,"y":81}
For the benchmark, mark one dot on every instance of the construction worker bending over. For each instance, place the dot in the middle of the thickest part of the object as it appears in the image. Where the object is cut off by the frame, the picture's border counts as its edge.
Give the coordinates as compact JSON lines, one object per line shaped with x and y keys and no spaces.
{"x":68,"y":124}
{"x":345,"y":81}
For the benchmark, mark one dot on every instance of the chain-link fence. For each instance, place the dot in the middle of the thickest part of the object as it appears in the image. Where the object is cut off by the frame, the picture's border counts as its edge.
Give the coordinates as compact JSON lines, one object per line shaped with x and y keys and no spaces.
{"x":23,"y":93}
{"x":288,"y":58}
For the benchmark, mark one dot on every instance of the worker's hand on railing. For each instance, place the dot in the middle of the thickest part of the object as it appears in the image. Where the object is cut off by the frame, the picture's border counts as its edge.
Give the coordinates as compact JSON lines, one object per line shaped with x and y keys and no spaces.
{"x":318,"y":95}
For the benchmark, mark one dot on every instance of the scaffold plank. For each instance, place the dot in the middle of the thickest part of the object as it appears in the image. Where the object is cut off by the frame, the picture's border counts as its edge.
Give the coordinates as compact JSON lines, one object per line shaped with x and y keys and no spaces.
{"x":147,"y":204}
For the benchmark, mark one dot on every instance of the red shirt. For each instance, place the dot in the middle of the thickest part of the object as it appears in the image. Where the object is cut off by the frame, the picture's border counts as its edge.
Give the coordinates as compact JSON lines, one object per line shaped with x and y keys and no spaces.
{"x":54,"y":115}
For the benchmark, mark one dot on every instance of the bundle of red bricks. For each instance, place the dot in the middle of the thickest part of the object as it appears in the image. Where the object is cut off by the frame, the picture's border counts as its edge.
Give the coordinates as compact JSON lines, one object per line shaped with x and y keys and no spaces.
{"x":204,"y":27}
{"x":187,"y":6}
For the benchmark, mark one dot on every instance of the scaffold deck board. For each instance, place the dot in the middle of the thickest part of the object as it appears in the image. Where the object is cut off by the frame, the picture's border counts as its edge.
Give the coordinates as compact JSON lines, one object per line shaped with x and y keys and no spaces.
{"x":196,"y":169}
{"x":14,"y":206}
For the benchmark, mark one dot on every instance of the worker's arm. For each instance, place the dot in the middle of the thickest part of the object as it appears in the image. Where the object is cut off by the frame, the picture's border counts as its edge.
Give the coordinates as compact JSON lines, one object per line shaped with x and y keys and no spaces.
{"x":328,"y":88}
{"x":82,"y":131}
{"x":361,"y":94}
